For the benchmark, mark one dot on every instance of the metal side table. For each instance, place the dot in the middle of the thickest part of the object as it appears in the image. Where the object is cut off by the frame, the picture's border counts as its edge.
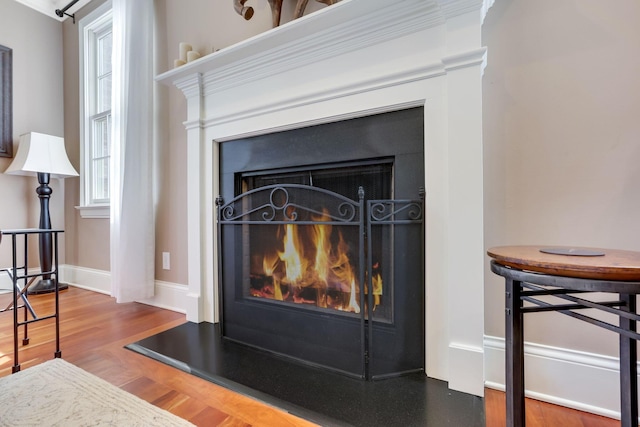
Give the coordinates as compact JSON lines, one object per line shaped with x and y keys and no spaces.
{"x":22,"y":279}
{"x":565,"y":273}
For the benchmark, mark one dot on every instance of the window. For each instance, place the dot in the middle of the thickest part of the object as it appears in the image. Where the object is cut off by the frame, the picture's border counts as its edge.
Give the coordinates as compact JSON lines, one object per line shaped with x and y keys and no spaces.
{"x":96,"y":40}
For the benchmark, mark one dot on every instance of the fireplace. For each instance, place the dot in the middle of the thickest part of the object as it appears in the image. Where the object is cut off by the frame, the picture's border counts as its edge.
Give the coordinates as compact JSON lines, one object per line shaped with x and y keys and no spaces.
{"x":321,"y":243}
{"x":352,"y":60}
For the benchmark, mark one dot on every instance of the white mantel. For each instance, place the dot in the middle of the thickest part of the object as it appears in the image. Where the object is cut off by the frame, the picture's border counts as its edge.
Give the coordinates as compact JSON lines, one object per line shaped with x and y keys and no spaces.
{"x":353,"y":59}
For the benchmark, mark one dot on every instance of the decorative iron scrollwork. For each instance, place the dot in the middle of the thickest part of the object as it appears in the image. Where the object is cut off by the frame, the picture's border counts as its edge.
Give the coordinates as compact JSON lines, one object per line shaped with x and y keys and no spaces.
{"x":395,"y":211}
{"x":290,"y":203}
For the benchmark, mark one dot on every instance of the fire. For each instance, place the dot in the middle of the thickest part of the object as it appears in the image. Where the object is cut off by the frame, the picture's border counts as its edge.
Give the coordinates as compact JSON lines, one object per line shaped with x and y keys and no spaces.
{"x":352,"y":298}
{"x":322,"y":243}
{"x":312,"y":267}
{"x":292,"y":255}
{"x":376,"y":282}
{"x":269,"y":265}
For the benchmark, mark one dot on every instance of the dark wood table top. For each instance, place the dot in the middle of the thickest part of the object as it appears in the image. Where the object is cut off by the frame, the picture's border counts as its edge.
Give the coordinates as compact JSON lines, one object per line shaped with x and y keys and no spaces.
{"x":580,"y":262}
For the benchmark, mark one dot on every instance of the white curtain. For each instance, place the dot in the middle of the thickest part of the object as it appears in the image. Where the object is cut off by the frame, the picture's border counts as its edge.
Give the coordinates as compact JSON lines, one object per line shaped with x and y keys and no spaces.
{"x":132,"y":204}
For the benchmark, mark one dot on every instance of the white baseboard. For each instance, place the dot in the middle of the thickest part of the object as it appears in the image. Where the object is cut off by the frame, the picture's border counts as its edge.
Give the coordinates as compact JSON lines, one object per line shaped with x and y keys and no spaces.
{"x":468,"y":377}
{"x":170,"y":296}
{"x":585,"y":381}
{"x":86,"y":278}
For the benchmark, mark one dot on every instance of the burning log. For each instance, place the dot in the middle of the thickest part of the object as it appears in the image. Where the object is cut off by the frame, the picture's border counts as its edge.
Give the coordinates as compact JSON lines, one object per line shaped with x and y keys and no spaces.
{"x":305,"y":296}
{"x":307,"y":264}
{"x":262,"y":286}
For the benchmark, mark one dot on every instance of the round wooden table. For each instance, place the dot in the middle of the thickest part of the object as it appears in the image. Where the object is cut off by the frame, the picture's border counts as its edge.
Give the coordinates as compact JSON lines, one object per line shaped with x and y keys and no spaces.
{"x":565,"y":273}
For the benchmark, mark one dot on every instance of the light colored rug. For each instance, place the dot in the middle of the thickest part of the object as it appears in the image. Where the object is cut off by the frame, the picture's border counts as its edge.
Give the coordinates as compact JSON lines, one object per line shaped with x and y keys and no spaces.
{"x":57,"y":393}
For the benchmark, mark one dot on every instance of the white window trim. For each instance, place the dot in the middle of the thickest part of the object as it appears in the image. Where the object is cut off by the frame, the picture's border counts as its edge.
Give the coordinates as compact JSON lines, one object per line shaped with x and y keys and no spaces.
{"x":94,"y":211}
{"x":86,"y":23}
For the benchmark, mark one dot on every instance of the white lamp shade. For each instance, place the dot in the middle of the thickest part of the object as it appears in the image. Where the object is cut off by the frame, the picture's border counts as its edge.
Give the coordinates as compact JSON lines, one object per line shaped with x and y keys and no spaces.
{"x":38,"y":152}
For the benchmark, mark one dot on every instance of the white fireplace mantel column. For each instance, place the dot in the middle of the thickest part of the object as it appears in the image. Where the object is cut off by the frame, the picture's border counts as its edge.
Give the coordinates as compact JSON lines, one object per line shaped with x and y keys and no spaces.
{"x":352,"y":59}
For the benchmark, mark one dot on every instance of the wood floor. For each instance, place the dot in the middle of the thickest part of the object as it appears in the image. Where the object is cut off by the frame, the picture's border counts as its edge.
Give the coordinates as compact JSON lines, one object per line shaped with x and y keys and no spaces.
{"x":94,"y":330}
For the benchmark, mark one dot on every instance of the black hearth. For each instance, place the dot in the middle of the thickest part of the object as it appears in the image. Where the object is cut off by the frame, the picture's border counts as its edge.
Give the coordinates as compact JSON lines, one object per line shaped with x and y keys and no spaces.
{"x":321,"y":244}
{"x":320,"y":396}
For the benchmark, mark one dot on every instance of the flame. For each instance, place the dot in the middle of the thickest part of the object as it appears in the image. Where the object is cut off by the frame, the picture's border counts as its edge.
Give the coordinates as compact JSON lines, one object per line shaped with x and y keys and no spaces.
{"x":353,"y":304}
{"x":269,"y":264}
{"x":312,"y":268}
{"x":341,"y":268}
{"x":322,"y":243}
{"x":277,"y":290}
{"x":376,"y":281}
{"x":292,"y":255}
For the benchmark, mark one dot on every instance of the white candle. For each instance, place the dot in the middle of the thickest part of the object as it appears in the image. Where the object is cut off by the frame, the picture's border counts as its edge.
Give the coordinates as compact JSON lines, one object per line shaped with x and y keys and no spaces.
{"x":184,"y":48}
{"x":178,"y":62}
{"x":192,"y":56}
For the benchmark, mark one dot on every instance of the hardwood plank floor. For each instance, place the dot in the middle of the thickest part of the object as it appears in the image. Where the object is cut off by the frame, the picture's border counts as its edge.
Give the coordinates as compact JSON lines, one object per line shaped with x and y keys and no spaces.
{"x":94,"y":330}
{"x":541,"y":414}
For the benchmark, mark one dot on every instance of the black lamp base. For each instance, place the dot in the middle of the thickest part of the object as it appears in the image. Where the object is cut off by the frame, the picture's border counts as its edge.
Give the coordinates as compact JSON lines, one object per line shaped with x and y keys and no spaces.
{"x":45,"y":286}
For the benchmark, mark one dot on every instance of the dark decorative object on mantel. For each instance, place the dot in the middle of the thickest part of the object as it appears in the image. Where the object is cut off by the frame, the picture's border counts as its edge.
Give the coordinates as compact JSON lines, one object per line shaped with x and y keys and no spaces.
{"x":276,"y":9}
{"x":6,"y":110}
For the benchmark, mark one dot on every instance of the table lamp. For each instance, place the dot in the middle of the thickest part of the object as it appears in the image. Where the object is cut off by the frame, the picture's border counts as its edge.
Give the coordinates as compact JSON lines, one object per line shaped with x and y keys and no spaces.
{"x":44,"y":156}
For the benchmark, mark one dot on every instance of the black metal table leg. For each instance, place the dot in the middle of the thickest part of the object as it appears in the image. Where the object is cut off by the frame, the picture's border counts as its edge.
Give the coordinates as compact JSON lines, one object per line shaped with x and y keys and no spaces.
{"x":57,"y":353}
{"x":514,"y":336}
{"x":14,"y":277}
{"x":628,"y":367}
{"x":25,"y":339}
{"x":21,"y":293}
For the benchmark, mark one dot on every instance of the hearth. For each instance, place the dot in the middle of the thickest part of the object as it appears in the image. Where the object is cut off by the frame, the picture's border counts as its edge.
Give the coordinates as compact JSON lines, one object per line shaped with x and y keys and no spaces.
{"x":323,"y":397}
{"x":321,"y":244}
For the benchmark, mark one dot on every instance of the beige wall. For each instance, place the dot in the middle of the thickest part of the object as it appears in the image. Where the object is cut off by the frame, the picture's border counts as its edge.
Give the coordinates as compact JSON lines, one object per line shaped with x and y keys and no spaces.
{"x":36,"y":41}
{"x":87,"y":239}
{"x":561,"y":101}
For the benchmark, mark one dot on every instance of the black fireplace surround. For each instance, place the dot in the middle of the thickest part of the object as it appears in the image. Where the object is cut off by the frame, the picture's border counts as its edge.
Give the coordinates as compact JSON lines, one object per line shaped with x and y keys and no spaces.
{"x":321,"y":244}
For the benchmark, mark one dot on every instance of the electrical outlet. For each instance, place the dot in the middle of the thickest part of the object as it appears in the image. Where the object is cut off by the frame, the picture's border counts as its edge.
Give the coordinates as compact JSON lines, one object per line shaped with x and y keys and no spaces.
{"x":166,"y":261}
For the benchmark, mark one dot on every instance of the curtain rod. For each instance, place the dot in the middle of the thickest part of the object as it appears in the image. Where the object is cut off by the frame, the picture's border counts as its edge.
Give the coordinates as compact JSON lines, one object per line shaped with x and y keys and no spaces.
{"x":62,"y":12}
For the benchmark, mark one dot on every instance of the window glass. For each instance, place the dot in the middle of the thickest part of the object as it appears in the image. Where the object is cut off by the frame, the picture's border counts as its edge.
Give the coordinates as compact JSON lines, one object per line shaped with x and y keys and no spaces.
{"x":96,"y":52}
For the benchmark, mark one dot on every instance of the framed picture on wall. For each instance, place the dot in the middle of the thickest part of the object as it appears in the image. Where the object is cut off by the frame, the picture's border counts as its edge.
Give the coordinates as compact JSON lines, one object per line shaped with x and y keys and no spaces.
{"x":6,"y":130}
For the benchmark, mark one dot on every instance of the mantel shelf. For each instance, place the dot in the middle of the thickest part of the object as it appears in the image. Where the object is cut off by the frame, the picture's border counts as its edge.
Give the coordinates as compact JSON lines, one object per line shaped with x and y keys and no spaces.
{"x":331,"y":31}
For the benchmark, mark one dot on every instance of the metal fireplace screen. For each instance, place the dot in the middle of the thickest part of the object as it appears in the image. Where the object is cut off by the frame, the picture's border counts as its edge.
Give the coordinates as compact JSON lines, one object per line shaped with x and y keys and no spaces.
{"x":314,"y":260}
{"x":323,"y":278}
